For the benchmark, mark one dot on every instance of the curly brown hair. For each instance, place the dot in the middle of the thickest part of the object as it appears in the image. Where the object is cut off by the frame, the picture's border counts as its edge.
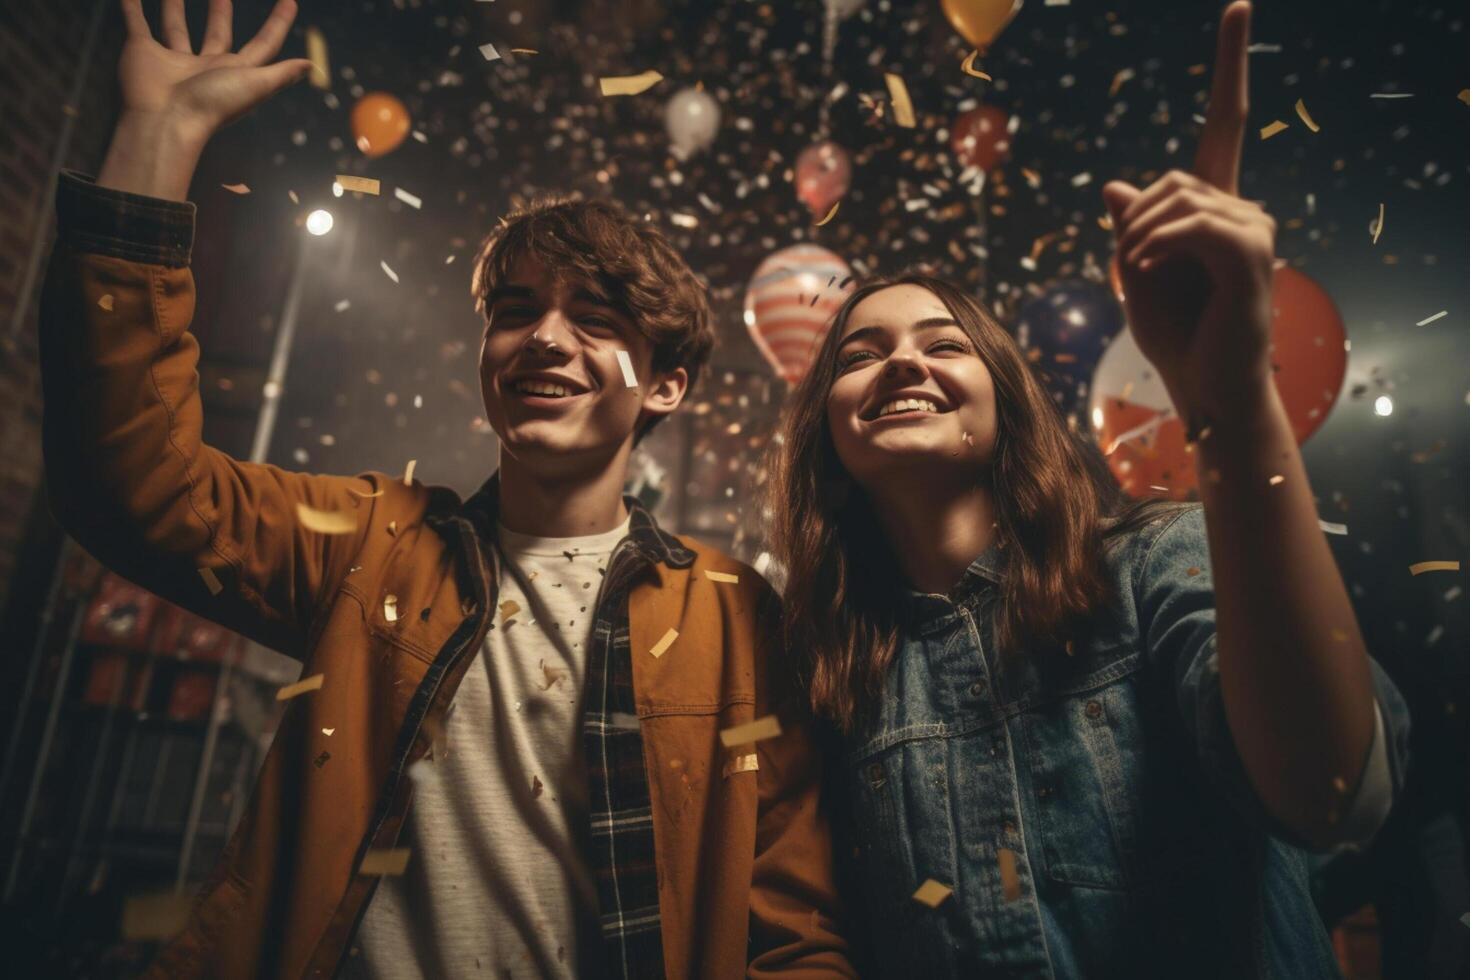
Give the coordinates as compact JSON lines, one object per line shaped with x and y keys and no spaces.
{"x":630,"y":261}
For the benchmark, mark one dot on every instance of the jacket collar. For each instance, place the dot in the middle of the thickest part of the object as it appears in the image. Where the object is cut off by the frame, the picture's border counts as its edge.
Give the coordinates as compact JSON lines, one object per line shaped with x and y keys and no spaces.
{"x":653,"y":543}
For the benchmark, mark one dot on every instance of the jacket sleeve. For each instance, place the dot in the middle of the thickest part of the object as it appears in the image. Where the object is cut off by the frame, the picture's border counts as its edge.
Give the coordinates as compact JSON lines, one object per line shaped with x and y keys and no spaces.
{"x":794,"y":905}
{"x":127,"y":472}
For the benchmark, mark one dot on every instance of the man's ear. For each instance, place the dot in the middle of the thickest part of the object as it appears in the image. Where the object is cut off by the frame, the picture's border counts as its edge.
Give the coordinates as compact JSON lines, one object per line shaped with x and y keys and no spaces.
{"x":665,"y":391}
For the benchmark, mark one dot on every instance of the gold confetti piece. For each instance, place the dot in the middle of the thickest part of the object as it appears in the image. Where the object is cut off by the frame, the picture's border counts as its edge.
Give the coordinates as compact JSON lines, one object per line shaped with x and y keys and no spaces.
{"x":626,"y":363}
{"x":290,"y":691}
{"x":365,"y":496}
{"x":829,"y":214}
{"x":1378,"y":225}
{"x":968,"y":67}
{"x":1271,"y":130}
{"x":316,"y":52}
{"x":720,"y":576}
{"x":524,"y":51}
{"x":1420,"y":567}
{"x":1305,"y":117}
{"x":325,"y":521}
{"x":210,"y":581}
{"x":751,"y":731}
{"x":629,"y":84}
{"x":392,"y":529}
{"x":236,"y":188}
{"x":1123,"y":75}
{"x":1464,"y":95}
{"x":1430,"y":319}
{"x":664,"y":642}
{"x":1010,"y":882}
{"x":903,"y":106}
{"x":156,"y":916}
{"x":509,"y":608}
{"x":361,"y":185}
{"x":932,"y":893}
{"x":328,"y":731}
{"x":106,"y":302}
{"x":408,"y":472}
{"x":388,"y":861}
{"x":748,"y":762}
{"x":390,"y":608}
{"x":1277,"y":479}
{"x":1340,"y":785}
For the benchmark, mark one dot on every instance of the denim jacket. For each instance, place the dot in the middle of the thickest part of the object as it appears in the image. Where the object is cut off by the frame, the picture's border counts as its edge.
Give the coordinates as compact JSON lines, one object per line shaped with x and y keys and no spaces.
{"x":1140,"y":849}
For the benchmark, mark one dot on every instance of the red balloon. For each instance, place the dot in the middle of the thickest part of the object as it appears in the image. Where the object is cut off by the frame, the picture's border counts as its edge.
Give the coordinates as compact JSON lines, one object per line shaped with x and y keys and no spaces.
{"x":823,"y":175}
{"x":379,"y":123}
{"x":1135,"y":424}
{"x":980,"y":138}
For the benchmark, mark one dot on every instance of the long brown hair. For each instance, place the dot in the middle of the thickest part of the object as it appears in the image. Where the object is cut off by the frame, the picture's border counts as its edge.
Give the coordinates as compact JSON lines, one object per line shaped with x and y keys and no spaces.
{"x":1055,"y":503}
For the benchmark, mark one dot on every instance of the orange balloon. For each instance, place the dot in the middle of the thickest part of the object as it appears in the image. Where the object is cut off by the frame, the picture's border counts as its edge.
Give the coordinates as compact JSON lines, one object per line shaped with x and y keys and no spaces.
{"x":980,"y":21}
{"x":1308,"y":349}
{"x":379,"y":123}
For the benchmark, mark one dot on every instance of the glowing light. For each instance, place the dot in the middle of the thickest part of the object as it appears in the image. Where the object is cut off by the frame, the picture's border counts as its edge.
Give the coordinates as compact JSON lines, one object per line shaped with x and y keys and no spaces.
{"x":319,"y":222}
{"x":1383,"y":405}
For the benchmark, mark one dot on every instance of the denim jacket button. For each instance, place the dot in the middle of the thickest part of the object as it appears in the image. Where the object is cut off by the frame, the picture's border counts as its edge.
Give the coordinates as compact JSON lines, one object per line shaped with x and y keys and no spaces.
{"x":1094,"y":709}
{"x":977,"y":689}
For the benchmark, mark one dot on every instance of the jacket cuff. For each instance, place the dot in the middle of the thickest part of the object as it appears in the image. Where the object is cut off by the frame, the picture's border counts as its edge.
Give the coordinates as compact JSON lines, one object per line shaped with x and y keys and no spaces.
{"x":123,"y":225}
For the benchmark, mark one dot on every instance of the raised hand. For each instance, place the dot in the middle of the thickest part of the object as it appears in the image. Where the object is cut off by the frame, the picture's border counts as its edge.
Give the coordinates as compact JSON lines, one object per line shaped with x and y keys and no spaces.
{"x":174,"y":100}
{"x":1196,"y":260}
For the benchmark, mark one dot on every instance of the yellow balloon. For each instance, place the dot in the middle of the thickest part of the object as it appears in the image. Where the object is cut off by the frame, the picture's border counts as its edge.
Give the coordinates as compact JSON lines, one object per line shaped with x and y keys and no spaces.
{"x":980,"y":21}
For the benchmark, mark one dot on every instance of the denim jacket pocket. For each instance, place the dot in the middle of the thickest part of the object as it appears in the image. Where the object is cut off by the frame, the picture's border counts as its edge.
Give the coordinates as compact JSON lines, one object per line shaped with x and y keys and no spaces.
{"x":1084,"y":750}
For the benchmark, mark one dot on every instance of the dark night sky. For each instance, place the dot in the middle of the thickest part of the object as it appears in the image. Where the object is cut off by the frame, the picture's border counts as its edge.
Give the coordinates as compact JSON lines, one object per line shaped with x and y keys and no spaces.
{"x":495,"y":130}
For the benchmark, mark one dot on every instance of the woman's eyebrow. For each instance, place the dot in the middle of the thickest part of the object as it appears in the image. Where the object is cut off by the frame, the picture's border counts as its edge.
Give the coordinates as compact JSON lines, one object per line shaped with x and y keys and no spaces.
{"x":928,"y":323}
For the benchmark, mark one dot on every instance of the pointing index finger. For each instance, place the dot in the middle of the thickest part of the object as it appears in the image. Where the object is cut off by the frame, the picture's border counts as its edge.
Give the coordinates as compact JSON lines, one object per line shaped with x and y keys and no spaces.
{"x":1218,"y":158}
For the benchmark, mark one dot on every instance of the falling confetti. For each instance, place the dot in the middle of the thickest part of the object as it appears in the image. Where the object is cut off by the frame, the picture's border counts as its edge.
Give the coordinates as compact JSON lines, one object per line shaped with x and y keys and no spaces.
{"x":312,"y":683}
{"x":1271,"y":129}
{"x":388,"y":271}
{"x":1301,"y":112}
{"x":236,"y":188}
{"x":1378,"y":225}
{"x":412,"y":200}
{"x":903,"y":106}
{"x":1420,"y":567}
{"x":751,"y":731}
{"x":968,"y":66}
{"x":359,"y":185}
{"x":746,"y":762}
{"x":629,"y":84}
{"x":1430,"y":319}
{"x":316,"y":52}
{"x":829,"y":214}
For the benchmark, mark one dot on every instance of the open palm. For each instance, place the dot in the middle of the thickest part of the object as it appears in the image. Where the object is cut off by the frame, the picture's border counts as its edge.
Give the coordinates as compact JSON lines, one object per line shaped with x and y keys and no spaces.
{"x":202,"y":92}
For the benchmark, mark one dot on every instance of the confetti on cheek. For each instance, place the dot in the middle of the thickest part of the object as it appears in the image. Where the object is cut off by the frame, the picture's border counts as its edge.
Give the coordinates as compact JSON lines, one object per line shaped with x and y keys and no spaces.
{"x":932,"y":893}
{"x":629,"y":84}
{"x":359,"y":185}
{"x":1420,"y":567}
{"x":306,"y":684}
{"x":1272,"y":129}
{"x":751,"y":731}
{"x":626,"y":363}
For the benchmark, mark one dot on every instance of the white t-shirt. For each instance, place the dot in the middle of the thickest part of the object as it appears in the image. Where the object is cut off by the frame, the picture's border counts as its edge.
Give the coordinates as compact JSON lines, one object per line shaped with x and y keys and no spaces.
{"x":498,"y":883}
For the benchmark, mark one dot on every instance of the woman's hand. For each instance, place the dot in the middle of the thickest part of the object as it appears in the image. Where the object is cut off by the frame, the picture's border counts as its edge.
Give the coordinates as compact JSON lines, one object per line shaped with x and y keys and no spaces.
{"x":1196,"y":260}
{"x":174,"y":100}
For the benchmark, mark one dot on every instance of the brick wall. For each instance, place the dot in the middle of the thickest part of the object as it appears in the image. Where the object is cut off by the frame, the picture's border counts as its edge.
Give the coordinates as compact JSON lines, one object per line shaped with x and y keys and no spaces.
{"x":41,"y":53}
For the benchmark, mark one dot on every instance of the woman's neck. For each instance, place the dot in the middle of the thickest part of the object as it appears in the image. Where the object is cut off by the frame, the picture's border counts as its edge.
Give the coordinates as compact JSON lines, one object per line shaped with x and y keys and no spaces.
{"x":935,"y":533}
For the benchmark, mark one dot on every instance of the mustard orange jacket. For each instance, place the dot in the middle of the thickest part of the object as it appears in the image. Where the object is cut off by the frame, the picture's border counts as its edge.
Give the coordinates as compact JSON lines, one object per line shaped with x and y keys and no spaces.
{"x":745,"y":877}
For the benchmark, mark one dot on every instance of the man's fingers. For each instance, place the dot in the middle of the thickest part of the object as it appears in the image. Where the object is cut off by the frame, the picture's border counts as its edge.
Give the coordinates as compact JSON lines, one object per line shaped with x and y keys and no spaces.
{"x":137,"y":22}
{"x":272,"y":34}
{"x":218,"y":36}
{"x":1218,"y":157}
{"x":175,"y":28}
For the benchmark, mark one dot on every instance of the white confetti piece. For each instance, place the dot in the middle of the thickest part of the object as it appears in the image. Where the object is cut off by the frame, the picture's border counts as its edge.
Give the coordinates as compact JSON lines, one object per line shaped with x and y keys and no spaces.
{"x":720,"y":576}
{"x":1332,"y":528}
{"x":626,"y":363}
{"x":408,"y":472}
{"x":388,"y":271}
{"x":489,"y":53}
{"x":411,"y":200}
{"x":342,"y":304}
{"x":1430,"y":319}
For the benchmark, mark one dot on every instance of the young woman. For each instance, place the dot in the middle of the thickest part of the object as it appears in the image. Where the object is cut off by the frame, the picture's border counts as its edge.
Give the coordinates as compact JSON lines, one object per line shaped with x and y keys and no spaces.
{"x":1094,"y":737}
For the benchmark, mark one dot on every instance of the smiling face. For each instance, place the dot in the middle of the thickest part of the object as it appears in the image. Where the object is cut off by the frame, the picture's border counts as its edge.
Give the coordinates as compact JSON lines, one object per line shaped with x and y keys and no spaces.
{"x":909,"y":386}
{"x":550,"y":375}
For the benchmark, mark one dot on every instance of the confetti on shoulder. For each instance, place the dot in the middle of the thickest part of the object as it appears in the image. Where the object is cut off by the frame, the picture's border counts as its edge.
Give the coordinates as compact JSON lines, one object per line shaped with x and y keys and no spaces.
{"x":752,"y":731}
{"x":630,"y":377}
{"x":664,"y":642}
{"x":903,"y":106}
{"x":932,"y":893}
{"x":385,"y":861}
{"x":1272,"y":129}
{"x":629,"y":84}
{"x":1420,"y":567}
{"x":830,"y":214}
{"x":358,"y":185}
{"x":312,"y":683}
{"x":714,"y":576}
{"x":1430,"y":319}
{"x":325,"y":521}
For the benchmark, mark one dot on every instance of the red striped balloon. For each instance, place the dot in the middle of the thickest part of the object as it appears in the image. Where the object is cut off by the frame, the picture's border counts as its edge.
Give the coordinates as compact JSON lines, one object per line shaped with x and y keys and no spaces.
{"x":790,"y":302}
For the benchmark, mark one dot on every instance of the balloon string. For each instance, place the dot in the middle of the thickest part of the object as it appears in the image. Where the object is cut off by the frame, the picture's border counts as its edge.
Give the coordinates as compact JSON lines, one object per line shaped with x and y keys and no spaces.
{"x":829,"y":48}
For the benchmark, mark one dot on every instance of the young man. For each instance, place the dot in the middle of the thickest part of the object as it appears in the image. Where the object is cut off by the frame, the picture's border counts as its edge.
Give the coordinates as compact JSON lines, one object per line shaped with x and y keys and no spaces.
{"x":526,"y":689}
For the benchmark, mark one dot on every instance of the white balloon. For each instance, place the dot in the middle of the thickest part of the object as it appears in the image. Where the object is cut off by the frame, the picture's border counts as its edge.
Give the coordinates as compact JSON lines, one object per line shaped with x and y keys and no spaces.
{"x":692,"y":118}
{"x":845,"y":8}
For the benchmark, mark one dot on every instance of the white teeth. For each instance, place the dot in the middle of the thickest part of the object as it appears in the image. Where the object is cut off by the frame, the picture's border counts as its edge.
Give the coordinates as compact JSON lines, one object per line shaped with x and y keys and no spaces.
{"x":541,"y":388}
{"x":908,"y":405}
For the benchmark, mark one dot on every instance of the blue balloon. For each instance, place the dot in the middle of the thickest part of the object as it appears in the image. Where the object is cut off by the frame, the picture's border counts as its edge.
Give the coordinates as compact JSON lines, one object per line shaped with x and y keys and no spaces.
{"x":1064,"y":332}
